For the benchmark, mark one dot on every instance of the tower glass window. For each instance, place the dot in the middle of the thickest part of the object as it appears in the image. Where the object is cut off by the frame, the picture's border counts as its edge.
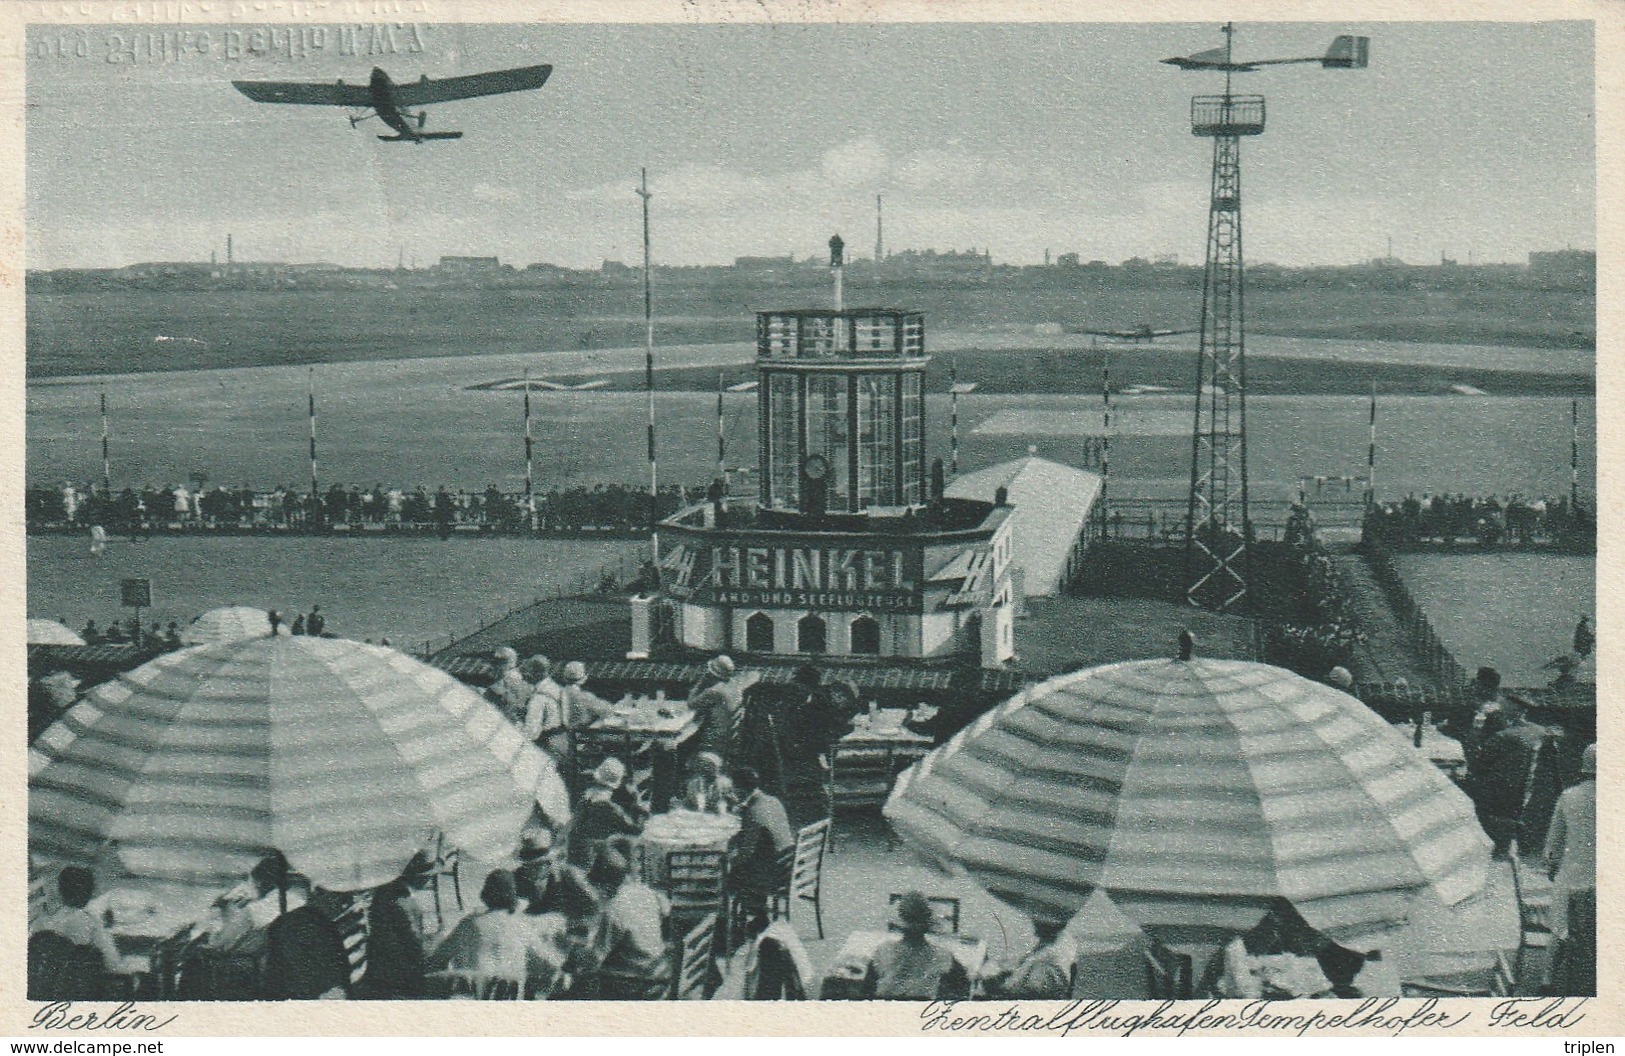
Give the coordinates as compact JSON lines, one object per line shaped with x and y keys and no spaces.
{"x":877,"y":470}
{"x":913,"y":438}
{"x":784,"y":445}
{"x":827,"y":432}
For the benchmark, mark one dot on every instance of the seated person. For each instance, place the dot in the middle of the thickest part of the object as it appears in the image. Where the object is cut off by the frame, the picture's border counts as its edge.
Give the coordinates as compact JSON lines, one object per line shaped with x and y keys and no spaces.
{"x":633,"y":963}
{"x":765,"y":836}
{"x":1046,"y":972}
{"x":912,"y":967}
{"x":599,"y":816}
{"x":494,"y":947}
{"x":709,"y":790}
{"x":80,"y":927}
{"x":583,"y":707}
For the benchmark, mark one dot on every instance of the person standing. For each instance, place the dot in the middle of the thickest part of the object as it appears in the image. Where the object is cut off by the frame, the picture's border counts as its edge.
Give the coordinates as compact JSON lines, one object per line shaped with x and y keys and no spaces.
{"x":316,"y":623}
{"x":275,"y":619}
{"x":544,"y":712}
{"x":395,"y":959}
{"x":1571,"y":862}
{"x":717,"y":701}
{"x":509,"y":692}
{"x":1585,"y":639}
{"x":1504,"y":774}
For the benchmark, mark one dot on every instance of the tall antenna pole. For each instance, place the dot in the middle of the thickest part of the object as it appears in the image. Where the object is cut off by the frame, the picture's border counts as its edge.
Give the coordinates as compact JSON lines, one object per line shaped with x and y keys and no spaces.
{"x":953,"y":418}
{"x":1371,"y":455}
{"x":1574,"y":456}
{"x":315,"y":495}
{"x":722,"y":438}
{"x":880,"y":242}
{"x":107,"y":470}
{"x":1105,"y":433}
{"x":836,"y":263}
{"x":649,"y":374}
{"x":530,"y":480}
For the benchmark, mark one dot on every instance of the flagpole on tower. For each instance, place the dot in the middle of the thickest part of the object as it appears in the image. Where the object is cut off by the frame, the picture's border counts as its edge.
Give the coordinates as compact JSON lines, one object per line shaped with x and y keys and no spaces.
{"x":530,"y":480}
{"x":649,"y":374}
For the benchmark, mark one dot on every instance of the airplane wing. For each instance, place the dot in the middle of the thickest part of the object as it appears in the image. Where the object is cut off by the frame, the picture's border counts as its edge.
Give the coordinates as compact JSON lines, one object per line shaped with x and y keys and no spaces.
{"x":305,"y":93}
{"x":497,"y":82}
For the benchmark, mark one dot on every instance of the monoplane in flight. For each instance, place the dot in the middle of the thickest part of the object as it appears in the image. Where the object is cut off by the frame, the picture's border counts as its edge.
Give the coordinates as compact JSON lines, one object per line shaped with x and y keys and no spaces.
{"x":1346,"y":53}
{"x":390,"y":102}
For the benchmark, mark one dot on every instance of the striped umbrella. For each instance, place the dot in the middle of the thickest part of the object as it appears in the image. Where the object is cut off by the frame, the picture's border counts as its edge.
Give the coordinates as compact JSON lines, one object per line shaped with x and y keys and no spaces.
{"x":1196,"y":793}
{"x":229,"y":623}
{"x":345,"y":757}
{"x":50,"y":632}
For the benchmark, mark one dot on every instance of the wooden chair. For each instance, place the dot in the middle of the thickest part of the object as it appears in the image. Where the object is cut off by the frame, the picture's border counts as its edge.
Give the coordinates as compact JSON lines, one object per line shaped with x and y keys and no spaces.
{"x":861,"y":779}
{"x":695,"y":882}
{"x":945,"y":909}
{"x":447,"y":863}
{"x":1534,"y":896}
{"x":695,"y":961}
{"x":1169,"y":973}
{"x":804,"y":879}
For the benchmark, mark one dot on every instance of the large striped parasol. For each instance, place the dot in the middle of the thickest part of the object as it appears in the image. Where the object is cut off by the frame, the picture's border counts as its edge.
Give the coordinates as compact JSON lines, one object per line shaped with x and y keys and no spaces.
{"x":229,"y":623}
{"x":1195,"y":793}
{"x":50,"y":632}
{"x":345,"y":757}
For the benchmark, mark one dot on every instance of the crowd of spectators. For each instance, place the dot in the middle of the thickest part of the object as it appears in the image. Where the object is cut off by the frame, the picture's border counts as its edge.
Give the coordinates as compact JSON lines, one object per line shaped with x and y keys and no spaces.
{"x":140,"y":512}
{"x":1487,"y":520}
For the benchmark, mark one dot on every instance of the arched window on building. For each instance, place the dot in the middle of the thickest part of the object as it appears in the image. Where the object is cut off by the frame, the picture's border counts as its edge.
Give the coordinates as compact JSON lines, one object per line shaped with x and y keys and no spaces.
{"x":759,"y":633}
{"x":810,"y":634}
{"x":866,"y":636}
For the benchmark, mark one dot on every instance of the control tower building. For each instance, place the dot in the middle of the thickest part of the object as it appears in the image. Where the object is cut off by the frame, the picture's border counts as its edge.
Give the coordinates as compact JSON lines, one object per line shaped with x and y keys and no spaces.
{"x":850,"y":548}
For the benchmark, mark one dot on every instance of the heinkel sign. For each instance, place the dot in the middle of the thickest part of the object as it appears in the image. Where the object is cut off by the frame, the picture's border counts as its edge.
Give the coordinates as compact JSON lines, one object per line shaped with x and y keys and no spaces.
{"x":812,"y":577}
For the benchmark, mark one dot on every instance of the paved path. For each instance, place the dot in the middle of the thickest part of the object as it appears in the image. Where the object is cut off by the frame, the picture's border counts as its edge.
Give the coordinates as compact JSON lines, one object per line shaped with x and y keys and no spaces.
{"x":1386,"y":654}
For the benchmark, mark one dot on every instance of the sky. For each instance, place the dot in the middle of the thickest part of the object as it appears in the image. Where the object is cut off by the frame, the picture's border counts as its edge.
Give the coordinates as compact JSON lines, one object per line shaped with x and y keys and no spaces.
{"x":1471,"y":139}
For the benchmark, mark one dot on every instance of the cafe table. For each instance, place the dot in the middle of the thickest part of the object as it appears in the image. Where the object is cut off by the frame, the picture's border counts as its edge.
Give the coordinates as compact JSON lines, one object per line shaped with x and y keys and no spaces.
{"x":638,"y":725}
{"x":885,"y":729}
{"x":679,"y":830}
{"x":843,"y":980}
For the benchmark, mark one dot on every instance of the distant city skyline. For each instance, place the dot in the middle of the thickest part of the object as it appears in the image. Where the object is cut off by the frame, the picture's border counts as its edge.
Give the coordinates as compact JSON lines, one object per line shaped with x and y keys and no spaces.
{"x":763,"y":140}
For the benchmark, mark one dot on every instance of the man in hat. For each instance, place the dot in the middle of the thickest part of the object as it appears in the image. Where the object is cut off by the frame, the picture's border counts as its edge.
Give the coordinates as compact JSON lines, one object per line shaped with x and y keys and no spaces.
{"x":1504,"y":772}
{"x":544,"y":713}
{"x":583,"y":707}
{"x":764,"y":838}
{"x":1571,"y":862}
{"x":912,"y":967}
{"x":537,"y":869}
{"x":509,"y":692}
{"x":599,"y":816}
{"x":718,"y":700}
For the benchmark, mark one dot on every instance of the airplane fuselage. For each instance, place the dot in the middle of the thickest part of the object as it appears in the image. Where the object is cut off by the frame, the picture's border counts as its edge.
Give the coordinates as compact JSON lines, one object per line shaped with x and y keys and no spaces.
{"x":383,"y":104}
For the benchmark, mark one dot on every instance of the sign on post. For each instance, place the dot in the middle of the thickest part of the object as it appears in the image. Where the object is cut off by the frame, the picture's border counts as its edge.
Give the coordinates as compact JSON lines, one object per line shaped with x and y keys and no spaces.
{"x":136,"y":593}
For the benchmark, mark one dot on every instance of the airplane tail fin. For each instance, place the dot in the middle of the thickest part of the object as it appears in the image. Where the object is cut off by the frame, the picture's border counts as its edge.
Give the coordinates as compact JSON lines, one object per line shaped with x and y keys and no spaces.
{"x":1348,"y":53}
